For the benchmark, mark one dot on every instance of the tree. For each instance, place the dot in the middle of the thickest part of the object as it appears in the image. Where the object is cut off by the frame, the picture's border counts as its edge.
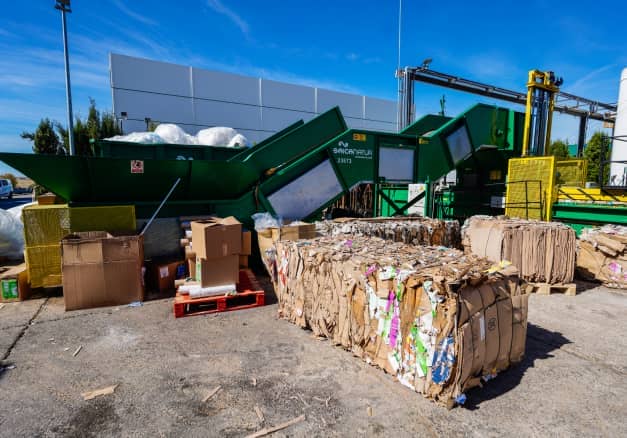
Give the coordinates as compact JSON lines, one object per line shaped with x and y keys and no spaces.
{"x":11,"y":178}
{"x":592,"y":153}
{"x":45,"y":140}
{"x":559,"y":149}
{"x":97,"y":126}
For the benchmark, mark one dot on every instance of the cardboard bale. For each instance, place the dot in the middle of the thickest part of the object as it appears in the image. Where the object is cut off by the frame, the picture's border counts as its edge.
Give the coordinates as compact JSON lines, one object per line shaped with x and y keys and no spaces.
{"x":100,"y":269}
{"x":217,"y":271}
{"x":543,"y":252}
{"x":431,"y":316}
{"x":217,"y":237}
{"x":602,"y":255}
{"x":411,"y":230}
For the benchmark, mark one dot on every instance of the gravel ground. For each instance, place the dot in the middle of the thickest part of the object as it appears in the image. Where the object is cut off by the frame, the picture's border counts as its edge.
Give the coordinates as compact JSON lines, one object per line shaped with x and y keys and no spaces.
{"x":571,"y":383}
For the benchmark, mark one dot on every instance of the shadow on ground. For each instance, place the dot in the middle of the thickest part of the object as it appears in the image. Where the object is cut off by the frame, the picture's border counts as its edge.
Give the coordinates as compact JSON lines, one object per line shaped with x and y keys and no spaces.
{"x":540,"y":343}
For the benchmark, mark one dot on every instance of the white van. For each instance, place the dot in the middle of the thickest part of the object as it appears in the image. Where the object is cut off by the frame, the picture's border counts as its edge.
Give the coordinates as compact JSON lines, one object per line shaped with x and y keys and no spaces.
{"x":6,"y":188}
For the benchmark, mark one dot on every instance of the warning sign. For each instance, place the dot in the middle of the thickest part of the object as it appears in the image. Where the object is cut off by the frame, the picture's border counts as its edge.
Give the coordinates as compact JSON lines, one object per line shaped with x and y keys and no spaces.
{"x":137,"y":166}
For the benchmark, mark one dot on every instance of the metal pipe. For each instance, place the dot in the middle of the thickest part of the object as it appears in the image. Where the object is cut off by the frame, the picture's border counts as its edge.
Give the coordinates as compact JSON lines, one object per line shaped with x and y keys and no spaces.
{"x":68,"y":91}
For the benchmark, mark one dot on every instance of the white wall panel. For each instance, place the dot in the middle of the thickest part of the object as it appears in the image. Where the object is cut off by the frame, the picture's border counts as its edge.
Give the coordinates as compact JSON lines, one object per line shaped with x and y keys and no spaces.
{"x":146,"y":75}
{"x":234,"y":115}
{"x":379,"y":126}
{"x":351,"y":105}
{"x":226,"y":87}
{"x":277,"y":119}
{"x":143,"y":88}
{"x":379,"y":109}
{"x":289,"y":96}
{"x":158,"y":107}
{"x":355,"y":123}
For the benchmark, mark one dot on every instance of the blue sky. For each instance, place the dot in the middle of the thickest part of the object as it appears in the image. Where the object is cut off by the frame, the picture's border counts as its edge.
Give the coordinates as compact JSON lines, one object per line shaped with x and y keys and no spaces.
{"x":342,"y":45}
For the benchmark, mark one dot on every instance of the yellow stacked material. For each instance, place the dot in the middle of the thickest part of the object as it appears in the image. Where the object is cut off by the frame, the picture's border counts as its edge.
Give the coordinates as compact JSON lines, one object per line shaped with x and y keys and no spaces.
{"x":107,"y":218}
{"x":44,"y":265}
{"x":433,"y":317}
{"x":46,"y":225}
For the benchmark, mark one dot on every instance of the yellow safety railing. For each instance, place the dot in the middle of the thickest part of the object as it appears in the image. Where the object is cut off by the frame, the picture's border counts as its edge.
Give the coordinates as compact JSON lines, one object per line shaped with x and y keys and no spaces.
{"x":571,"y":172}
{"x":531,"y":187}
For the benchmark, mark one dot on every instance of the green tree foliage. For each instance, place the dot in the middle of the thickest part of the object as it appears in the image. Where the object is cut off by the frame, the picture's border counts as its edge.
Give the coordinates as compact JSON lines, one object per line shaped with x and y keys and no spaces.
{"x":11,"y":178}
{"x":97,"y":126}
{"x":592,"y":153}
{"x":559,"y":149}
{"x":45,"y":139}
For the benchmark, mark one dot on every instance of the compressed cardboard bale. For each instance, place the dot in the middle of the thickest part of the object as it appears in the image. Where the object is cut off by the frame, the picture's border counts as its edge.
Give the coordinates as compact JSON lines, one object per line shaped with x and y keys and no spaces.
{"x":412,"y":230}
{"x":432,"y":316}
{"x":602,"y":255}
{"x":543,"y":252}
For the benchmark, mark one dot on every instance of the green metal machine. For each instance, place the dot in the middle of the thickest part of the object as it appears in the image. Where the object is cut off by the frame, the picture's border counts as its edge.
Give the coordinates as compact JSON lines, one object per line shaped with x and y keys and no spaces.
{"x":297,"y":173}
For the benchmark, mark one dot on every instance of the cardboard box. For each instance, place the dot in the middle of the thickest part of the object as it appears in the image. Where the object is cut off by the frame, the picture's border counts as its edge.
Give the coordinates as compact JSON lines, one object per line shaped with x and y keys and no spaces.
{"x":217,"y":237}
{"x":191,"y":267}
{"x":160,"y":274}
{"x":247,"y":245}
{"x":100,"y":269}
{"x":243,"y":261}
{"x":217,"y":271}
{"x":294,"y":232}
{"x":14,"y":284}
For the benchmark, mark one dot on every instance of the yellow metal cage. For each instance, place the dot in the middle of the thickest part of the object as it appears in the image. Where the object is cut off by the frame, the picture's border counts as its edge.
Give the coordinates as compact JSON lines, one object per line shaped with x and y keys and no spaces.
{"x":530,"y":187}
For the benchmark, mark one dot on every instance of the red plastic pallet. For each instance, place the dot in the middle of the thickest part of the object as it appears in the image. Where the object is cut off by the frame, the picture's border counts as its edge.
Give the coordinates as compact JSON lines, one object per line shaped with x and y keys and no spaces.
{"x":249,"y":294}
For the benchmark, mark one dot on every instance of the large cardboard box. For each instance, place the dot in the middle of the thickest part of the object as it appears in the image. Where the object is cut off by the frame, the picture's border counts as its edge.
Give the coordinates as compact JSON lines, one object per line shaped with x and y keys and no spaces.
{"x":100,"y":269}
{"x":217,"y":271}
{"x":217,"y":237}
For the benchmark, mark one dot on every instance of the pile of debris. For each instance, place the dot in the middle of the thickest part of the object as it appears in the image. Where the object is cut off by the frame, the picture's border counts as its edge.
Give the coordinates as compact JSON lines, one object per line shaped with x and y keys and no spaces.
{"x":543,"y":252}
{"x":411,"y":230}
{"x":439,"y":320}
{"x":602,"y":255}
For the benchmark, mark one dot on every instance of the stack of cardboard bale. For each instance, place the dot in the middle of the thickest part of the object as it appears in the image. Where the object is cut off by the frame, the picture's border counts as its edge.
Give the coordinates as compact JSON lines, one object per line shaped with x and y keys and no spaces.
{"x":602,"y":255}
{"x":413,"y":230}
{"x":543,"y":252}
{"x":439,"y":320}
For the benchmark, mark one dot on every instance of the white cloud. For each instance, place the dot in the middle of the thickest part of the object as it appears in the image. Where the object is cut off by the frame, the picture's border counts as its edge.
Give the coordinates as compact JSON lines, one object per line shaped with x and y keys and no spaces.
{"x":218,"y":7}
{"x":134,"y":15}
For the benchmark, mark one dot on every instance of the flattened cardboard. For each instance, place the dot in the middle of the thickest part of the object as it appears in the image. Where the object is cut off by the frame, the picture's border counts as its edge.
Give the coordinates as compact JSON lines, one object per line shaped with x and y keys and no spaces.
{"x":217,"y":237}
{"x":217,"y":271}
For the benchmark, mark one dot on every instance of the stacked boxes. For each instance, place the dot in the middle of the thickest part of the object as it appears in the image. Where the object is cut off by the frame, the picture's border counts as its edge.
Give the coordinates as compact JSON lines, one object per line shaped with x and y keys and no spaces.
{"x":46,"y":225}
{"x":217,"y":244}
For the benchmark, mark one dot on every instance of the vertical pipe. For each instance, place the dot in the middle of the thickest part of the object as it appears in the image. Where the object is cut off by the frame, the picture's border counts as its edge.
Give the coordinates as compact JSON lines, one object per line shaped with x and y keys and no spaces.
{"x":581,"y":140}
{"x":68,"y":92}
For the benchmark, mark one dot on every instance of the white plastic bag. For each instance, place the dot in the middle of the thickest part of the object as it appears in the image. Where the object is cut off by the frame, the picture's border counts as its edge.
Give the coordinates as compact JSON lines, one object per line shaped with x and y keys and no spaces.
{"x":174,"y":134}
{"x":265,"y":220}
{"x":11,"y":236}
{"x":138,"y":137}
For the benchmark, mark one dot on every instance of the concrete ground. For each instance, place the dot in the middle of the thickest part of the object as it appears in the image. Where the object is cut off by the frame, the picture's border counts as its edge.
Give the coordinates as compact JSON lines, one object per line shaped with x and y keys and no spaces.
{"x":573,"y":381}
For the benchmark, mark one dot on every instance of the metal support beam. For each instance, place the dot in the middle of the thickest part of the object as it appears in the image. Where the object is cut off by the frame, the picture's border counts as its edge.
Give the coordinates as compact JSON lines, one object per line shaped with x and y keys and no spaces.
{"x":565,"y":103}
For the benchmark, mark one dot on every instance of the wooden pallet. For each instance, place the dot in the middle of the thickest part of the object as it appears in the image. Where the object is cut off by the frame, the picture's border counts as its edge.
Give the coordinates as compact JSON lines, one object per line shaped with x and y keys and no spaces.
{"x":249,"y":294}
{"x":547,"y":289}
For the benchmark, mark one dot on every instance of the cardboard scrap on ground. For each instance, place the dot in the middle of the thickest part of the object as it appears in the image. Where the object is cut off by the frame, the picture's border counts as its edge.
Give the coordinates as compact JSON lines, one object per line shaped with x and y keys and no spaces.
{"x":98,"y":392}
{"x":602,"y":255}
{"x":269,"y":430}
{"x":543,"y":252}
{"x":431,"y":316}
